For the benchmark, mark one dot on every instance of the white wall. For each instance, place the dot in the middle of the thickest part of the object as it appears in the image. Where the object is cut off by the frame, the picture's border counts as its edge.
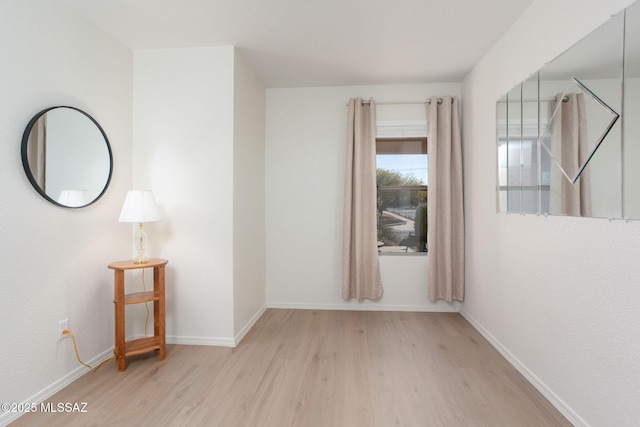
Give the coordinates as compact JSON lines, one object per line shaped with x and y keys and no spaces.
{"x":199,"y":125}
{"x":249,"y":291}
{"x":558,"y":296}
{"x":183,"y":133}
{"x":54,"y":260}
{"x":632,"y":148}
{"x":305,"y":162}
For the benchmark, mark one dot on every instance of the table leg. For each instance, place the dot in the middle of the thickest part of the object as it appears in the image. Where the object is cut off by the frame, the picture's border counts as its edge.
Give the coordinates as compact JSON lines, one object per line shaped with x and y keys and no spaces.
{"x":119,"y":315}
{"x":158,"y":309}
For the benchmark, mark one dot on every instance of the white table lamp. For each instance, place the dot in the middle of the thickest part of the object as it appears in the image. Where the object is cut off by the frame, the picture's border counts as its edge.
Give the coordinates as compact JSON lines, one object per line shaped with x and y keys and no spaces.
{"x":140,"y":207}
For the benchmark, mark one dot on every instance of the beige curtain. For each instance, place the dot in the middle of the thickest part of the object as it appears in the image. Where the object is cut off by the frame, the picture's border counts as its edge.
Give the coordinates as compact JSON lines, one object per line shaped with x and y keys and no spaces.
{"x":570,"y":148}
{"x":360,"y":268}
{"x":445,"y":239}
{"x":37,"y":150}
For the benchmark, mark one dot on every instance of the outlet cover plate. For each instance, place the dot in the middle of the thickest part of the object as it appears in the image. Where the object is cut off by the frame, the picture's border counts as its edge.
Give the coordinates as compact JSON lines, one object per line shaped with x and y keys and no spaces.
{"x":62,"y":325}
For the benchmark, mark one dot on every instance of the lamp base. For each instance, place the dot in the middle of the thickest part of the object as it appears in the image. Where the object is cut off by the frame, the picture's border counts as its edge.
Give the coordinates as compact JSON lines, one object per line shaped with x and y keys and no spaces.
{"x":141,"y":245}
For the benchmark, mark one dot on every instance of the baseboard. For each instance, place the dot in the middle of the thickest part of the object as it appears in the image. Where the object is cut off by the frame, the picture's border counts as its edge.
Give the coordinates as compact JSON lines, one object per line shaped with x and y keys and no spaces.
{"x":55,"y":387}
{"x":240,"y":335}
{"x":449,"y":308}
{"x":217,"y":341}
{"x":555,"y":400}
{"x":189,"y":340}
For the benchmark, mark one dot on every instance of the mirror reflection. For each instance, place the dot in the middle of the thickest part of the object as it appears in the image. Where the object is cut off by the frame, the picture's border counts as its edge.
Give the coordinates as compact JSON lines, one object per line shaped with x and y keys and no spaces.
{"x":523,"y":166}
{"x":559,"y":133}
{"x":67,"y":157}
{"x":631,"y":134}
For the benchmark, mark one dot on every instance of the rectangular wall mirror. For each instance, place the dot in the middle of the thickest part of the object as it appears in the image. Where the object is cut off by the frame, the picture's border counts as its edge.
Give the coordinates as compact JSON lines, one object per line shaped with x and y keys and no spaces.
{"x":568,"y":137}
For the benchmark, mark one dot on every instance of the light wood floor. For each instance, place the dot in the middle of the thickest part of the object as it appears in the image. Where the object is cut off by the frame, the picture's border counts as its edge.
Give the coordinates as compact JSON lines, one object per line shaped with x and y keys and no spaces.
{"x":317,"y":368}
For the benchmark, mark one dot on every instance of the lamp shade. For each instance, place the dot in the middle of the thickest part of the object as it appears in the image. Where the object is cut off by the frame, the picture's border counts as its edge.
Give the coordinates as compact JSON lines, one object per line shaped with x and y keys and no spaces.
{"x":139,"y":206}
{"x":74,"y":198}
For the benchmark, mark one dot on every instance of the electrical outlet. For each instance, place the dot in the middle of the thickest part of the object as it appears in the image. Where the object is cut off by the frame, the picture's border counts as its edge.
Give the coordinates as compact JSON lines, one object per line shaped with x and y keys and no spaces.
{"x":62,"y":325}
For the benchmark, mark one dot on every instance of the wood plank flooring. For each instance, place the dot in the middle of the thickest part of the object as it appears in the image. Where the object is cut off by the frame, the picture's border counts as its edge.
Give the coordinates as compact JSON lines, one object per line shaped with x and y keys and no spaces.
{"x":316,"y":368}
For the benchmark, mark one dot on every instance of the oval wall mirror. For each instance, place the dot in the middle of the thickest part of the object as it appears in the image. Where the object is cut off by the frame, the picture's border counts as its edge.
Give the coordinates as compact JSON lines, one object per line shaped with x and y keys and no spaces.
{"x":67,"y":157}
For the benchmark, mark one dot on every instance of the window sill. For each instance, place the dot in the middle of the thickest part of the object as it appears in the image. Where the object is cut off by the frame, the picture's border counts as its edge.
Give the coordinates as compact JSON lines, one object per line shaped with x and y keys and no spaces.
{"x":407,"y":254}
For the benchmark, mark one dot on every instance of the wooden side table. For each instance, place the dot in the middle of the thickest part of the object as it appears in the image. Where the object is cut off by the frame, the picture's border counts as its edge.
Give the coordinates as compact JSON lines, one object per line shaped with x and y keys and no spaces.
{"x":142,"y":345}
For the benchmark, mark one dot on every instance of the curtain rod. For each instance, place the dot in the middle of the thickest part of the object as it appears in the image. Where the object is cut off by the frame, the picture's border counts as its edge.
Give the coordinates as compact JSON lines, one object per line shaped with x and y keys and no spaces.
{"x":551,"y":98}
{"x":427,"y":101}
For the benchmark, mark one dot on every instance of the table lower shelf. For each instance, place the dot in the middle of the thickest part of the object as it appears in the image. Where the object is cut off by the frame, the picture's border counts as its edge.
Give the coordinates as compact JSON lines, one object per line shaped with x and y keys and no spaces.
{"x":141,"y":345}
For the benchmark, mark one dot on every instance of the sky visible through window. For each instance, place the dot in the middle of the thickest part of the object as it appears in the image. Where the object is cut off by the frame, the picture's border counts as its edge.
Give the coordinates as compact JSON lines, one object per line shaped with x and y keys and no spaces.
{"x":406,"y":164}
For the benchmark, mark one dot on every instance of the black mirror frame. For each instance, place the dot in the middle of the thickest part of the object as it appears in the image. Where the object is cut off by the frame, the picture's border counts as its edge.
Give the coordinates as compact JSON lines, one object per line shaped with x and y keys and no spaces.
{"x":25,"y":160}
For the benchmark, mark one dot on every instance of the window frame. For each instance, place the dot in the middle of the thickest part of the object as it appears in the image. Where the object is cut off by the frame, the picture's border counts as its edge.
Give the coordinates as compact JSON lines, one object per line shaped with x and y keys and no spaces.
{"x":384,"y":188}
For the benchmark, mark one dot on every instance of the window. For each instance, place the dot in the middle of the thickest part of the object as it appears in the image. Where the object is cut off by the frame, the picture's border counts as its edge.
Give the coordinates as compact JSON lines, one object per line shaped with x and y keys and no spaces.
{"x":524,"y":184}
{"x":401,"y":172}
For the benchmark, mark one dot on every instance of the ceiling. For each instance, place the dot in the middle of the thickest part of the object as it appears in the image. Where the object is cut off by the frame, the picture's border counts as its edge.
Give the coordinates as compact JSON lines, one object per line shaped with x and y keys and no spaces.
{"x":292,"y":43}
